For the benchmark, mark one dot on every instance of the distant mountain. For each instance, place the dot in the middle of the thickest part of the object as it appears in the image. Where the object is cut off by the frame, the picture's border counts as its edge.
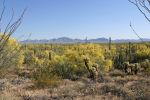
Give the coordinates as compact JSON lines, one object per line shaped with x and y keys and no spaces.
{"x":98,"y":40}
{"x":66,"y":40}
{"x":130,"y":40}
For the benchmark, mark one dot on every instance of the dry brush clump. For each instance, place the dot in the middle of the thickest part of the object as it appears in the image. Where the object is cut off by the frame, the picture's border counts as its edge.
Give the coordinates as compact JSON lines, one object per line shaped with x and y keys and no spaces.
{"x":141,"y":89}
{"x":116,"y":90}
{"x":44,"y":77}
{"x":116,"y":73}
{"x":11,"y":55}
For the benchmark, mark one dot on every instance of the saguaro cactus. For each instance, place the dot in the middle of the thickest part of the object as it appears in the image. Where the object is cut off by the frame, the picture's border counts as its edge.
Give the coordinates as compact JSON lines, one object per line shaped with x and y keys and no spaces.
{"x":50,"y":56}
{"x":86,"y":40}
{"x":109,"y":43}
{"x":34,"y":51}
{"x":130,"y":52}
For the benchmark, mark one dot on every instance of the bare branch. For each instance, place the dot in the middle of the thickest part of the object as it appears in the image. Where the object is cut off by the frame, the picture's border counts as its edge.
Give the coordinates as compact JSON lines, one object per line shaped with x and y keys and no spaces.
{"x":1,"y":15}
{"x":3,"y":10}
{"x":7,"y":27}
{"x":136,"y":32}
{"x":142,"y":7}
{"x":5,"y":34}
{"x":10,"y":29}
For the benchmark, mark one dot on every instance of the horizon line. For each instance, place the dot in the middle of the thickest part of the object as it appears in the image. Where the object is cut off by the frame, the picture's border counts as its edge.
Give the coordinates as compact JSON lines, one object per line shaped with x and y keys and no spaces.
{"x":86,"y":38}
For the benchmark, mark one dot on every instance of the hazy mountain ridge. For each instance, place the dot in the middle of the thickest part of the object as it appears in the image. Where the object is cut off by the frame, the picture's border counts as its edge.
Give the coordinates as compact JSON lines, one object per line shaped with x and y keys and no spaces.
{"x":65,"y":40}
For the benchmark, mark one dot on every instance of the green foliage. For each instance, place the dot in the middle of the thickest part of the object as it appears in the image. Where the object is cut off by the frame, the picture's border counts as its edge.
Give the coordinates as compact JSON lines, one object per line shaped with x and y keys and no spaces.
{"x":143,"y":54}
{"x":108,"y":65}
{"x":11,"y":55}
{"x":146,"y":66}
{"x":68,"y":65}
{"x":44,"y":77}
{"x":120,"y":57}
{"x":66,"y":61}
{"x":30,"y":59}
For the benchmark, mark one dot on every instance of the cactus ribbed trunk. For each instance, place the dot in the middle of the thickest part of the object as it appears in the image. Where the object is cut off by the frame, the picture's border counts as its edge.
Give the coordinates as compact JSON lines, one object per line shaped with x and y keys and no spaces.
{"x":130,"y":52}
{"x":50,"y":56}
{"x":34,"y":51}
{"x":109,"y":43}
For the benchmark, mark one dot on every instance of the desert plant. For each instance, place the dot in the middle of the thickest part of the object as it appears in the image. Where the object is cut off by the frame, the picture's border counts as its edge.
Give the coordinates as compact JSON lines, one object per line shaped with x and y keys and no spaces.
{"x":43,"y":77}
{"x":10,"y":50}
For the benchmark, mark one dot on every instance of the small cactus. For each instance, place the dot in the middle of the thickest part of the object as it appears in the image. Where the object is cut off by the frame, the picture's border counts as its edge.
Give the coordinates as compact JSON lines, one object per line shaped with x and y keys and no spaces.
{"x":132,"y":68}
{"x":92,"y":68}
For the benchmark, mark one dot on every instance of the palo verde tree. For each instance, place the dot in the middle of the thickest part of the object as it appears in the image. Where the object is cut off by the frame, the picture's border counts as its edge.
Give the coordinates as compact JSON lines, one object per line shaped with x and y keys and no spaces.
{"x":10,"y":50}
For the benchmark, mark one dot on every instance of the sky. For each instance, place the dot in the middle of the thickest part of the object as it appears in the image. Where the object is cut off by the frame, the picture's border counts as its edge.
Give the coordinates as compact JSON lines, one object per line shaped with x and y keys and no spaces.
{"x":47,"y":19}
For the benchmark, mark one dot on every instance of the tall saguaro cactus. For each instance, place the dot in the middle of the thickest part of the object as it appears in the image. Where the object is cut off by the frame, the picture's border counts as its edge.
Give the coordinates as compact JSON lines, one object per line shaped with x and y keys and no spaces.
{"x":50,"y":56}
{"x":109,"y":43}
{"x":130,"y":56}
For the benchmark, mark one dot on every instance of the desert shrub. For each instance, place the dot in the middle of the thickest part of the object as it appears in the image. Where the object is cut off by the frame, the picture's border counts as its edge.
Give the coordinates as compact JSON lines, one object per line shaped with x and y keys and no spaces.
{"x":146,"y":66}
{"x":119,"y":58}
{"x":44,"y":77}
{"x":121,"y":81}
{"x":107,"y":65}
{"x":29,"y":58}
{"x":147,"y":71}
{"x":68,"y":66}
{"x":117,"y":91}
{"x":142,"y":54}
{"x":141,"y":90}
{"x":11,"y":55}
{"x":116,"y":73}
{"x":71,"y":64}
{"x":66,"y":60}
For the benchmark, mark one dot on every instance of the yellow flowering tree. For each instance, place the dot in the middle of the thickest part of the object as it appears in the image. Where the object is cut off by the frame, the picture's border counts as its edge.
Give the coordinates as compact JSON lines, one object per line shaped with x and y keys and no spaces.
{"x":11,"y":54}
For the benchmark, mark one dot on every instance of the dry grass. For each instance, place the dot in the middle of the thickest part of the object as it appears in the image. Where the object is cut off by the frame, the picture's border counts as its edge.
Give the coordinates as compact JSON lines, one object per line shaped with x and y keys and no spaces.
{"x":113,"y":86}
{"x":116,"y":73}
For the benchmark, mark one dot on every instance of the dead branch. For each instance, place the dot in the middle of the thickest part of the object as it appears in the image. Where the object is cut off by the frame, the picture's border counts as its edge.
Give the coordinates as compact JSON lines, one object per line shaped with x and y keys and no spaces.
{"x":136,"y":32}
{"x":5,"y":35}
{"x":143,"y":6}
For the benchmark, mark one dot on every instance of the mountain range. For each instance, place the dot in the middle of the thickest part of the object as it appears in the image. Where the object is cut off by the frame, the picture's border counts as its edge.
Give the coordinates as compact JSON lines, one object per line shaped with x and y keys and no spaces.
{"x":66,"y":40}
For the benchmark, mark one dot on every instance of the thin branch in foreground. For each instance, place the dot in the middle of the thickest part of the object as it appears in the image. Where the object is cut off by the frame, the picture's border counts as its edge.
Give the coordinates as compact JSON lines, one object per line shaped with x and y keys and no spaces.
{"x":10,"y":29}
{"x":136,"y":32}
{"x":142,"y":3}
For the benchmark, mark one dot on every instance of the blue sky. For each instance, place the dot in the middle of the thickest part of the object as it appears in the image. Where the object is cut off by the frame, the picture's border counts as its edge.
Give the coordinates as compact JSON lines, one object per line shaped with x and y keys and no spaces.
{"x":46,"y":19}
